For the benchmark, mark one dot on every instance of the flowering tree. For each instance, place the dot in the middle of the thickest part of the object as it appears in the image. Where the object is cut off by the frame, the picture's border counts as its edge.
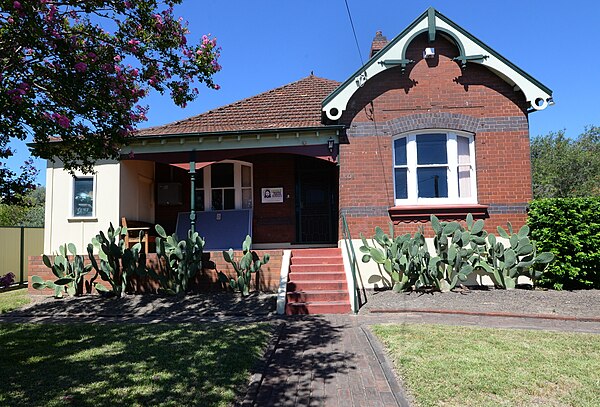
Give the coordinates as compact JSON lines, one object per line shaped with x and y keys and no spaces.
{"x":75,"y":71}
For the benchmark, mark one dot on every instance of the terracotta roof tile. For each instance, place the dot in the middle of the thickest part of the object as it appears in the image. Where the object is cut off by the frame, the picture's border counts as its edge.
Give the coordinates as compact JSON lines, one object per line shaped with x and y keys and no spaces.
{"x":297,"y":104}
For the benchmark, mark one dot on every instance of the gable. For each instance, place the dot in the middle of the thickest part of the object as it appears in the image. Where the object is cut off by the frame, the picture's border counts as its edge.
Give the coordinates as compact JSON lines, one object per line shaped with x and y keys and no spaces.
{"x":471,"y":50}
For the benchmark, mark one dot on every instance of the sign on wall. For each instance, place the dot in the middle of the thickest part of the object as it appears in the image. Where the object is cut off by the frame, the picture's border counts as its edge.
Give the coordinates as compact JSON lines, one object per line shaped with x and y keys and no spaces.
{"x":271,"y":195}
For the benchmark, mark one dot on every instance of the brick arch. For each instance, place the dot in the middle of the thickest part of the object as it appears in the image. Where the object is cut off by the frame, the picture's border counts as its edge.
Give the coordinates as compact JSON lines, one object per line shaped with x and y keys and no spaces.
{"x":438,"y":120}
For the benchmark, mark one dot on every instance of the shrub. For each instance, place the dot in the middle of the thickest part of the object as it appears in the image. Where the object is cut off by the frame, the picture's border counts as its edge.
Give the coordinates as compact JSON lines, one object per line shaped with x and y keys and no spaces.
{"x":569,"y":228}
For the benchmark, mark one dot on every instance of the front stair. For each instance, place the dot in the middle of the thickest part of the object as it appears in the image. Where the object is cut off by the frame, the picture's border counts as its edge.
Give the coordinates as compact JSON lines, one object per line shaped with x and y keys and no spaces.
{"x":317,"y":283}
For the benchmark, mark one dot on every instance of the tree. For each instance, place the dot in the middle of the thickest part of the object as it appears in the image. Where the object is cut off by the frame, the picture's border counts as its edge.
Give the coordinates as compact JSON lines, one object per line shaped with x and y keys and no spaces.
{"x":564,"y":167}
{"x":28,"y":212}
{"x":75,"y":71}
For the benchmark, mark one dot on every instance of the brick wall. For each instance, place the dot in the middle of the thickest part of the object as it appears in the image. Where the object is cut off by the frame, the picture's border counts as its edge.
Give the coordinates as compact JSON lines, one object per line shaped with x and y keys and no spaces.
{"x":268,"y":278}
{"x":435,"y":94}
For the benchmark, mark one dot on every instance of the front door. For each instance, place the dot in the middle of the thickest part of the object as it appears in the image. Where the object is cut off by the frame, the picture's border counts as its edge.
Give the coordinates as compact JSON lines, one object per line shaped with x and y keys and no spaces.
{"x":316,"y":203}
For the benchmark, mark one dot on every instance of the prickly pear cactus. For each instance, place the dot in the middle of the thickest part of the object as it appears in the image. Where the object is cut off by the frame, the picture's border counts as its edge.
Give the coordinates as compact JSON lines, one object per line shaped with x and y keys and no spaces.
{"x":249,"y":264}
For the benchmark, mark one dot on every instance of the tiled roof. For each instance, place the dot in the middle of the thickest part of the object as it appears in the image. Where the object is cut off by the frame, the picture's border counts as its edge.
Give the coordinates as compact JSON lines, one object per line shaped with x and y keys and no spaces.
{"x":297,"y":104}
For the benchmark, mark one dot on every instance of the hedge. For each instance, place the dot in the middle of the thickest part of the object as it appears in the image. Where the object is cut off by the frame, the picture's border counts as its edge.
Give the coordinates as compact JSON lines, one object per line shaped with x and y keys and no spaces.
{"x":569,"y":228}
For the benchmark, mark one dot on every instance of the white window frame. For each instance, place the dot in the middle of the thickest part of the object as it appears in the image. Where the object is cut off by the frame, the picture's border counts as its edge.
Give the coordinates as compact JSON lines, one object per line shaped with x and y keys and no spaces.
{"x":94,"y":193}
{"x":237,"y":184}
{"x":452,"y":173}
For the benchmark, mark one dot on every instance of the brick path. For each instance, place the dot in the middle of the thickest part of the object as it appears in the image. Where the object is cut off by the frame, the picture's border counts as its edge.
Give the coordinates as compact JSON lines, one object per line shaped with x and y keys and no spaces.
{"x":327,"y":361}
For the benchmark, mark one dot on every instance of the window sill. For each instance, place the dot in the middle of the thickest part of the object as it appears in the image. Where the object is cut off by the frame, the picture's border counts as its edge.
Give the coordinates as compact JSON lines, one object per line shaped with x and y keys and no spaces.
{"x":410,"y":213}
{"x":82,"y":219}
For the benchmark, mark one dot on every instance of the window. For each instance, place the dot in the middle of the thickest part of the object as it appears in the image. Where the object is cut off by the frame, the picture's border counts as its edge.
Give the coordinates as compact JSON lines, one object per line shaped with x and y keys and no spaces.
{"x":434,"y":168}
{"x":83,"y":197}
{"x":224,"y":186}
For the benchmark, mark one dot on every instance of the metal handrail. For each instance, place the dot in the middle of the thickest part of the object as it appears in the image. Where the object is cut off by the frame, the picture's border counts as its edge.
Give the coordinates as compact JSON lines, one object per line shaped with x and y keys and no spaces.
{"x":353,"y":262}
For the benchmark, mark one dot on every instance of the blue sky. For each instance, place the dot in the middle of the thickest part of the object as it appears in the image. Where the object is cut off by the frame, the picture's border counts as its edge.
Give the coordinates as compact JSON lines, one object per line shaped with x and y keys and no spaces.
{"x":266,"y":44}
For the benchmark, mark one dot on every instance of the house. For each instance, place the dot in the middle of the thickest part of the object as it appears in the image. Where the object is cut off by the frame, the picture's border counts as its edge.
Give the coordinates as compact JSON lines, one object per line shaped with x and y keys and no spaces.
{"x":436,"y":122}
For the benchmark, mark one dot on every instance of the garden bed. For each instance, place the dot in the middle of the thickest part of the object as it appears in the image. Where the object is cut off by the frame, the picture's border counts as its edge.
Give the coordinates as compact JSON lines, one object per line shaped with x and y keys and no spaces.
{"x":584,"y":303}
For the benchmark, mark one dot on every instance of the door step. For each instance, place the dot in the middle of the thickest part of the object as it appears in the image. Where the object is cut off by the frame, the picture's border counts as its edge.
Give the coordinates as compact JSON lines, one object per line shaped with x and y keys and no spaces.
{"x":317,"y":283}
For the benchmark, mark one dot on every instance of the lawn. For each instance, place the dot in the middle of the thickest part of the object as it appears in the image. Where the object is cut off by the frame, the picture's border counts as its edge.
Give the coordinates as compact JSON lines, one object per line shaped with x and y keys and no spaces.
{"x":128,"y":365}
{"x":13,"y":299}
{"x":464,"y":366}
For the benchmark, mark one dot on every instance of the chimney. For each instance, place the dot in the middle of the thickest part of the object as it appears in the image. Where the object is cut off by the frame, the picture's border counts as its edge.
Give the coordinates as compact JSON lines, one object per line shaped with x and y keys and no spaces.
{"x":378,"y":43}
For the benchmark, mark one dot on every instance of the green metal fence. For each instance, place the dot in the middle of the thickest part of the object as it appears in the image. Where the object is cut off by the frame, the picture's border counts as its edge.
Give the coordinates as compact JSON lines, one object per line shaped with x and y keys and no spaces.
{"x":16,"y":245}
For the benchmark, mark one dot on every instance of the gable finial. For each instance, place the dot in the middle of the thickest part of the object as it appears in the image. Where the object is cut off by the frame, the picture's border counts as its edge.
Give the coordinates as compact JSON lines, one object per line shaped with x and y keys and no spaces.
{"x":431,"y":23}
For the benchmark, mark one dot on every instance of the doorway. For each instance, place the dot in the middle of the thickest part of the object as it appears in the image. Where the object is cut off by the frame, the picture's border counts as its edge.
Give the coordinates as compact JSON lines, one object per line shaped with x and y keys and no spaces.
{"x":316,"y":201}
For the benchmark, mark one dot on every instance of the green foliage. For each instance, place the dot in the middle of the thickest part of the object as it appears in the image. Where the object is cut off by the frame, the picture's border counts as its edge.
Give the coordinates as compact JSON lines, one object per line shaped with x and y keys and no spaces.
{"x":29,"y":211}
{"x":520,"y":258}
{"x":249,"y":264}
{"x":459,"y":252}
{"x":565,"y":167}
{"x":183,"y":259}
{"x":70,"y":274}
{"x":569,"y":228}
{"x":117,"y":262}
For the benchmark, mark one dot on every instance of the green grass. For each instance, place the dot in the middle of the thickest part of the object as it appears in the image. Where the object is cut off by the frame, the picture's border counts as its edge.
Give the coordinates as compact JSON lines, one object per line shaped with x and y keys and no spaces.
{"x":13,"y":299}
{"x":128,"y":365}
{"x":464,"y":366}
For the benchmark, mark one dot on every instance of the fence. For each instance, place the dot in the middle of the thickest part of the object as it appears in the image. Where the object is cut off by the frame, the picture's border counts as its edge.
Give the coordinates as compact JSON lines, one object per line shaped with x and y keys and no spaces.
{"x":16,"y":245}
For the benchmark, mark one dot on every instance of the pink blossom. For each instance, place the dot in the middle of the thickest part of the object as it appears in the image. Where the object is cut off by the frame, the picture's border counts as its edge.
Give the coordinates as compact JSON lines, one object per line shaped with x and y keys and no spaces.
{"x":63,"y":121}
{"x":10,"y":20}
{"x":117,"y":58}
{"x":80,"y":66}
{"x":17,"y":5}
{"x":217,"y":87}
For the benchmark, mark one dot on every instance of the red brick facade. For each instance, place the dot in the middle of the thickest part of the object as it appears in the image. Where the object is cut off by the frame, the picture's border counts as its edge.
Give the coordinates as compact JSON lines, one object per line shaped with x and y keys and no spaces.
{"x":435,"y":94}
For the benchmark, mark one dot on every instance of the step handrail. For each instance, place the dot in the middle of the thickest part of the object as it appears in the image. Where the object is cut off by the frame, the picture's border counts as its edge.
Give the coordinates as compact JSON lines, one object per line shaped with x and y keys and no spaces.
{"x":353,"y":262}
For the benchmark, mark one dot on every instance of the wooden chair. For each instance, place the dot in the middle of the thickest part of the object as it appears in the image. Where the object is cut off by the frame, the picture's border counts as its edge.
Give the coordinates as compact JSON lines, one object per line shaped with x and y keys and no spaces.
{"x":133,"y":233}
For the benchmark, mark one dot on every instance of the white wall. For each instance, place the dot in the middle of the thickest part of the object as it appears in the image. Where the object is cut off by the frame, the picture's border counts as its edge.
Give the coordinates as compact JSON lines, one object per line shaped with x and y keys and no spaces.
{"x":137,"y":190}
{"x":367,"y":270}
{"x":60,"y":225}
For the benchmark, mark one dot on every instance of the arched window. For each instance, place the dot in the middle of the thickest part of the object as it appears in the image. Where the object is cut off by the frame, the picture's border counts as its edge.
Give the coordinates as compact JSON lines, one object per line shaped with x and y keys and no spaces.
{"x":223,"y":186}
{"x":434,"y":167}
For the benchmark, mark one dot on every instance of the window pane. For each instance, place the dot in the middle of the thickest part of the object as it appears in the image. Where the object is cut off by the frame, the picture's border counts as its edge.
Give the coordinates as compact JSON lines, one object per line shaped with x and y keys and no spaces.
{"x":199,"y":200}
{"x":221,"y":175}
{"x":200,"y":178}
{"x":464,"y":181}
{"x":431,"y":149}
{"x":83,"y":197}
{"x":400,"y":178}
{"x":246,"y":198}
{"x":463,"y":150}
{"x":246,"y":176}
{"x":229,"y":201}
{"x":432,"y":182}
{"x":217,"y":199}
{"x":400,"y":151}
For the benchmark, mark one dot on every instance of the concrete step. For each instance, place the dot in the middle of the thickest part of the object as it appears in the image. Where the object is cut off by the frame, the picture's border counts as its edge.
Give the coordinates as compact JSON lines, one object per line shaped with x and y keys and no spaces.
{"x":309,"y":268}
{"x":312,"y":285}
{"x":303,"y":308}
{"x":318,"y":275}
{"x":328,"y":251}
{"x":316,"y":260}
{"x":318,"y":296}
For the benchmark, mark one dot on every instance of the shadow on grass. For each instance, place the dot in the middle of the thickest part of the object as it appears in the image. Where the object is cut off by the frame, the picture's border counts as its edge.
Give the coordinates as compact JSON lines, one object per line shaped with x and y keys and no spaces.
{"x":119,"y":364}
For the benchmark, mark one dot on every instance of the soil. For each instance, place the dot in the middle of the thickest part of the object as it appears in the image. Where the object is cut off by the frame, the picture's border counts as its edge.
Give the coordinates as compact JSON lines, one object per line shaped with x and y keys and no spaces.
{"x":584,"y":303}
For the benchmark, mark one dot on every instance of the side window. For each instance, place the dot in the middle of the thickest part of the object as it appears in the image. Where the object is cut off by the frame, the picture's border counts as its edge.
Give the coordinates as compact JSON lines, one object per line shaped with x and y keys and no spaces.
{"x":434,"y":168}
{"x":83,"y":197}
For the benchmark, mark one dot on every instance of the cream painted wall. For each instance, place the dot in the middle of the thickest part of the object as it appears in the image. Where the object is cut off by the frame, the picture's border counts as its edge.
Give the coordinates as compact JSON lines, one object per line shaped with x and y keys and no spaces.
{"x":371,"y":268}
{"x":60,"y":225}
{"x":137,"y":190}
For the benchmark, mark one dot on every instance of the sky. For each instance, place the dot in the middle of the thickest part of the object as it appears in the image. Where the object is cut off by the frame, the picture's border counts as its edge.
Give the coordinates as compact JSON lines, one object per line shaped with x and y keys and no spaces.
{"x":269,"y":43}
